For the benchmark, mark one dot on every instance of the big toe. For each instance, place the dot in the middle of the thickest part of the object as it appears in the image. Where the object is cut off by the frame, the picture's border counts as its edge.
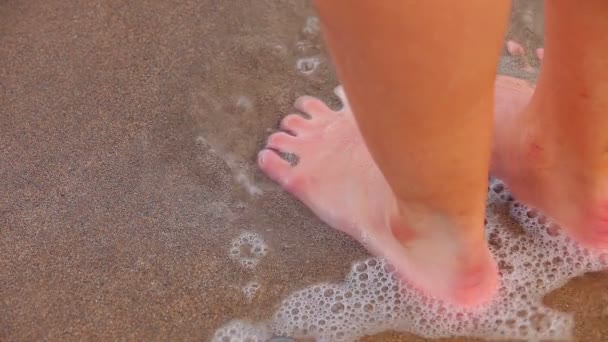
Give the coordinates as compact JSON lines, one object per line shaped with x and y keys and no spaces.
{"x":277,"y":168}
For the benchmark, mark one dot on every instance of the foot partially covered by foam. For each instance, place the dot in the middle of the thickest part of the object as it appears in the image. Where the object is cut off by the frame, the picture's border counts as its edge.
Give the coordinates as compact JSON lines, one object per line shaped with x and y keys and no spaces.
{"x":548,"y":169}
{"x":338,"y":180}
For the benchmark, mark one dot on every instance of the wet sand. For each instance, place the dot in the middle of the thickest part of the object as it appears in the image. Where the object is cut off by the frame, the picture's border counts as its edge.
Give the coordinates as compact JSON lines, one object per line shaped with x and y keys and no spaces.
{"x":128,"y":140}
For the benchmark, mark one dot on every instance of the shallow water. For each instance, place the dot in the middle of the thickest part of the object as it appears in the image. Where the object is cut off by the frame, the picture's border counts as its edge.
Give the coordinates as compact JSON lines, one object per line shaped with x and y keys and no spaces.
{"x":128,"y":174}
{"x":534,"y":258}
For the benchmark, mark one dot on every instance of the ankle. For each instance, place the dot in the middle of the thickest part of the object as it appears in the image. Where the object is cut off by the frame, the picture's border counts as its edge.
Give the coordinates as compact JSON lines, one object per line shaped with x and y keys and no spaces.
{"x":411,"y":221}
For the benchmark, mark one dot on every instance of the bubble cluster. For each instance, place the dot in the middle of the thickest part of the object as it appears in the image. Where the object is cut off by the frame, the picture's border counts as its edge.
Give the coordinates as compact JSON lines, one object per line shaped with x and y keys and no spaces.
{"x":240,"y":331}
{"x":533,"y":261}
{"x":250,"y":289}
{"x":308,"y":47}
{"x":248,"y":249}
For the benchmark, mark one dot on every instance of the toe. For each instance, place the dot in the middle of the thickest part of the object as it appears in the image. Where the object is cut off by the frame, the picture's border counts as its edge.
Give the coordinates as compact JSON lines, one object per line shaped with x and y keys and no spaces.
{"x":514,"y":48}
{"x":283,"y":142}
{"x":295,"y":124}
{"x":312,"y":106}
{"x":274,"y":166}
{"x":540,"y":53}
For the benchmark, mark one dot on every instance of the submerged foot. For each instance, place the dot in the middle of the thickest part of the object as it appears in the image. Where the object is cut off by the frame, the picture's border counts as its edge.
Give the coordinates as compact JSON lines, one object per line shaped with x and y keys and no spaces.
{"x":338,"y":180}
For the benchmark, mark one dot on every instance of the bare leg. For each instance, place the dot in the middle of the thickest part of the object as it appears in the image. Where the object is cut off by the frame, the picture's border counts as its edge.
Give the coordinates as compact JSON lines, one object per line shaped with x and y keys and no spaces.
{"x":420,"y":77}
{"x":554,"y":155}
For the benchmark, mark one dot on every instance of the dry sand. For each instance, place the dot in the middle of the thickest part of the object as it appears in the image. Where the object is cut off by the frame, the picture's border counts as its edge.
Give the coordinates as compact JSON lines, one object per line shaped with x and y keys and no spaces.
{"x":127,"y":139}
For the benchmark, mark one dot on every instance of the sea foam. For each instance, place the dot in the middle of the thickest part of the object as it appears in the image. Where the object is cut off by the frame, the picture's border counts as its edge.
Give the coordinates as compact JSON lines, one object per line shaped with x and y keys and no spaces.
{"x":533,"y":261}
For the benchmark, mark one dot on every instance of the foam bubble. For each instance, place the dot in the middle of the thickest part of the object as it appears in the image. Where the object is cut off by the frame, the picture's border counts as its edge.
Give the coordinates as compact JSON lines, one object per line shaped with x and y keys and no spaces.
{"x":248,"y":249}
{"x":240,"y":331}
{"x":372,"y":299}
{"x":304,"y":46}
{"x":312,"y":28}
{"x":250,"y":289}
{"x":307,"y":65}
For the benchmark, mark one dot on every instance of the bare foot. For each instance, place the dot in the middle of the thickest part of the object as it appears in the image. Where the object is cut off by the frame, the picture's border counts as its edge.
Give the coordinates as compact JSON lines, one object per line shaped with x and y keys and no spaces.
{"x":568,"y":184}
{"x":338,"y":180}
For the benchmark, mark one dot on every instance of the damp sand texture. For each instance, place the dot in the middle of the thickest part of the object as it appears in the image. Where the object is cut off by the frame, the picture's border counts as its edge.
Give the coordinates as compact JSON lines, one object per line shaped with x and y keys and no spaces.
{"x":128,"y":137}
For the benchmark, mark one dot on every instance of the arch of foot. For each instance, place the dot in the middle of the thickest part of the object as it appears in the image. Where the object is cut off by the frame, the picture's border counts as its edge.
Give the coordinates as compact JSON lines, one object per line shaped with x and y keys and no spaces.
{"x":372,"y":299}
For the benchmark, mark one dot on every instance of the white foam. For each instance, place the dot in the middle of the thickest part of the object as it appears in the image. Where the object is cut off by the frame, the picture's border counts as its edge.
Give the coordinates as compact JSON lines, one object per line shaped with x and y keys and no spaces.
{"x":250,"y":289}
{"x":304,"y":46}
{"x":307,"y":65}
{"x":240,"y":331}
{"x":372,"y":299}
{"x":312,"y":28}
{"x":248,"y":249}
{"x":243,"y":178}
{"x":239,"y":168}
{"x":240,"y":172}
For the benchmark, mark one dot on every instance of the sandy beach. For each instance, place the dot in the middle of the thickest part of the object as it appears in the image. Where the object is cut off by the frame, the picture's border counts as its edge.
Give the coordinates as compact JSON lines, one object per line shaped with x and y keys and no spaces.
{"x":128,"y":137}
